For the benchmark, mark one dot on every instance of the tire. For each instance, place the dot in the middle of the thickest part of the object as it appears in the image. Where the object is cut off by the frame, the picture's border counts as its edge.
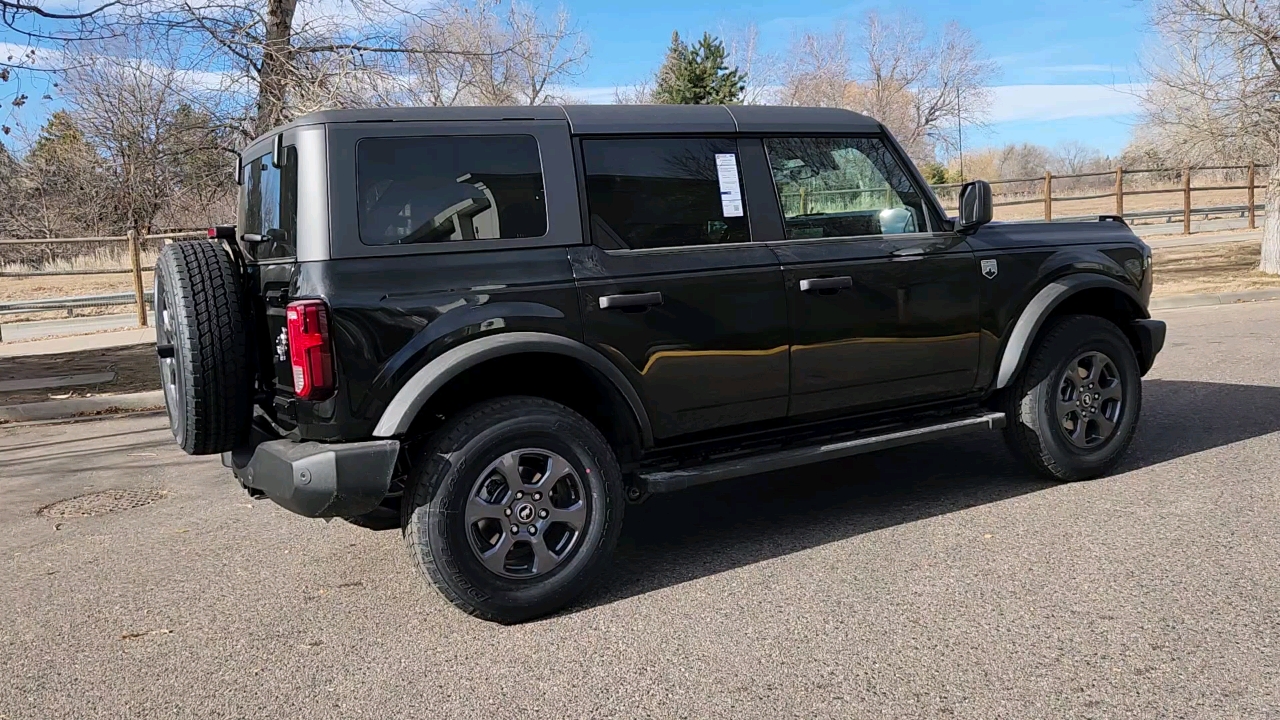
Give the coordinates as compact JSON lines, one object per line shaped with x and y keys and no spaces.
{"x":446,"y":492}
{"x":1045,"y":405}
{"x":201,"y":315}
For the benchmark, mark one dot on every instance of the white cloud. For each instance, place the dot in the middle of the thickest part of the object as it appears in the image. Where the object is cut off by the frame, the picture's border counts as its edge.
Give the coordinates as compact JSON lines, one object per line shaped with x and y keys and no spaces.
{"x":1057,"y":102}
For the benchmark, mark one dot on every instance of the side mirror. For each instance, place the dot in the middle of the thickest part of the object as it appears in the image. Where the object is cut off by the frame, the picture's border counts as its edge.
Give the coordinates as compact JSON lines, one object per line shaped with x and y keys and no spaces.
{"x":975,"y":207}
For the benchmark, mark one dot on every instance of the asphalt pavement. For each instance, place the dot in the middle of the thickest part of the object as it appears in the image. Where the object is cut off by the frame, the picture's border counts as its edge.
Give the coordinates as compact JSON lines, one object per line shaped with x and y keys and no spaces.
{"x":934,"y":581}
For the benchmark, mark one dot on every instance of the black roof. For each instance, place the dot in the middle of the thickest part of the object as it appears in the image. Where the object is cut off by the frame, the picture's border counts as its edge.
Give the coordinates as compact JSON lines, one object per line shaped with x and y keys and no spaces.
{"x":622,"y":119}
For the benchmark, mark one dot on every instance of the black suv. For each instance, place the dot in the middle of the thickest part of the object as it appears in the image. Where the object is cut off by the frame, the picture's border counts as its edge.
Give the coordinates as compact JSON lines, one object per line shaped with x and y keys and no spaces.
{"x":495,"y":327}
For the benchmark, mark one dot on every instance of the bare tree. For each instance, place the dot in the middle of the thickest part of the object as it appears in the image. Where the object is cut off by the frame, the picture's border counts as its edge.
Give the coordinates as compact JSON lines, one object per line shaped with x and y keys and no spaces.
{"x":292,"y":56}
{"x":1215,"y":80}
{"x":511,"y":57}
{"x":817,"y":70}
{"x":761,"y":68}
{"x":1073,"y":157}
{"x":917,"y":84}
{"x":154,"y":148}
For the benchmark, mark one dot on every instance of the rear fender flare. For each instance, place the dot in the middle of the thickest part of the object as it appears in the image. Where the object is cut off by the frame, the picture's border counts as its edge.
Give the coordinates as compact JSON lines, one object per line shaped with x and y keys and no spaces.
{"x":415,"y":393}
{"x":1038,"y":310}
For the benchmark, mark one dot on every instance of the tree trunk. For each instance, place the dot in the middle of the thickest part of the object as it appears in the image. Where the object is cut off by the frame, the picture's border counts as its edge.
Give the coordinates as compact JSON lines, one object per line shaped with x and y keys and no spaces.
{"x":1271,"y":224}
{"x":277,"y":61}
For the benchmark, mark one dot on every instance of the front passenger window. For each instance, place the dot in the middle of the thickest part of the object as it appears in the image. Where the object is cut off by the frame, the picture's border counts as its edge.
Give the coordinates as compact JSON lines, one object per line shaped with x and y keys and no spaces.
{"x":842,"y":187}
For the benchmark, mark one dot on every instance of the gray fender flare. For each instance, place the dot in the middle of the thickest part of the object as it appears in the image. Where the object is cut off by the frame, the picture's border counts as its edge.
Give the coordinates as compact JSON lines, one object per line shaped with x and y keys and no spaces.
{"x":1034,"y":314}
{"x":400,"y":413}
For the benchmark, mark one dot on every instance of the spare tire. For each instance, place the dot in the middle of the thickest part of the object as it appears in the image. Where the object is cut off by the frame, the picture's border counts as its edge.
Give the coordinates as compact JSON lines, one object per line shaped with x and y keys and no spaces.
{"x":202,"y":342}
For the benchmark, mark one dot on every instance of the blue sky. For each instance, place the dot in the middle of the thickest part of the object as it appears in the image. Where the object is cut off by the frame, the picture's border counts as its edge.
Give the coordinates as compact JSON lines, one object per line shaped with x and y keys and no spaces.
{"x":1067,"y":70}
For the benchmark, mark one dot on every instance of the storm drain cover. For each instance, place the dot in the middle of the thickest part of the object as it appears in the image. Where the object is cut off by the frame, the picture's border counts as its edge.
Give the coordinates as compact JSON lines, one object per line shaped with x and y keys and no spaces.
{"x":101,"y":503}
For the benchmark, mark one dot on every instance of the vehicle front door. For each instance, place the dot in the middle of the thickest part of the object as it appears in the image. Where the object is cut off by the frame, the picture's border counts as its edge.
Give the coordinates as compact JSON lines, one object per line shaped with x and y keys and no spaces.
{"x":883,"y":306}
{"x":673,"y":290}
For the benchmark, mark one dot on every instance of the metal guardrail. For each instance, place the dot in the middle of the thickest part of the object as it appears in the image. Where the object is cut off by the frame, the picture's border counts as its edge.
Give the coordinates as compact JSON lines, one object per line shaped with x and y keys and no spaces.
{"x":66,"y":303}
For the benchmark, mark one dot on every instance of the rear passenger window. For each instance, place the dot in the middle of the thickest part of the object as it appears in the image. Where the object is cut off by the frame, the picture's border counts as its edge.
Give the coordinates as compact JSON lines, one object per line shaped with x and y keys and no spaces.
{"x":271,"y":206}
{"x":667,"y":192}
{"x":445,"y":189}
{"x":842,"y":187}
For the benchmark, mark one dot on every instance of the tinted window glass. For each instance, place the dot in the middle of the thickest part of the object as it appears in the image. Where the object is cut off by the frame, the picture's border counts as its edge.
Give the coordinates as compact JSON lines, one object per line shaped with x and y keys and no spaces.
{"x":666,"y":192}
{"x":443,"y":189}
{"x":842,"y":187}
{"x":271,"y":206}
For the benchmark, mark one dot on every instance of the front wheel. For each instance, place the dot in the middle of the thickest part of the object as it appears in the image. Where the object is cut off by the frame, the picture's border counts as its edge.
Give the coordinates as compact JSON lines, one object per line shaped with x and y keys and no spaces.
{"x":1074,"y":408}
{"x":514,"y":508}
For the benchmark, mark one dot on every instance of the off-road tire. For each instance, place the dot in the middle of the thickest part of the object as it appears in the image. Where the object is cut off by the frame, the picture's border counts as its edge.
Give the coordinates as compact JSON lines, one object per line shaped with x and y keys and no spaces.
{"x":1030,"y":401}
{"x":441,"y":484}
{"x":201,"y":314}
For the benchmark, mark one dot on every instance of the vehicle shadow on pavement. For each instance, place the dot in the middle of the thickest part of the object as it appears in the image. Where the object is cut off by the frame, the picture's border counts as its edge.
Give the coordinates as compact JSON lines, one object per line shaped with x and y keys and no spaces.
{"x":675,"y":538}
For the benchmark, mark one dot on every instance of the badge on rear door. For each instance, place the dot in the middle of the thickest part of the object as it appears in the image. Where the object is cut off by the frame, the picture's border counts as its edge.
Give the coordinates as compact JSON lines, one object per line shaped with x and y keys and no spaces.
{"x":989,"y":269}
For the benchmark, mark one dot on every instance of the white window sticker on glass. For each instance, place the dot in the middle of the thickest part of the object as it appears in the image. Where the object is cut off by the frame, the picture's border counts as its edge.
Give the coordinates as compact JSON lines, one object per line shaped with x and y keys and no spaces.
{"x":730,"y":190}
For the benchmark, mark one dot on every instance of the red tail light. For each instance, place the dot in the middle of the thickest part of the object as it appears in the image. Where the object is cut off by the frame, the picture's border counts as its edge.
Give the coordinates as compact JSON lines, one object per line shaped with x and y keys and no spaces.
{"x":310,"y":352}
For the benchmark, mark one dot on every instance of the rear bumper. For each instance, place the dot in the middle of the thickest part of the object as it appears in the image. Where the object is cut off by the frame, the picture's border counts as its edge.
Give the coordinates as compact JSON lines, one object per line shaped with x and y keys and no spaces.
{"x":1150,"y":336}
{"x":318,"y":479}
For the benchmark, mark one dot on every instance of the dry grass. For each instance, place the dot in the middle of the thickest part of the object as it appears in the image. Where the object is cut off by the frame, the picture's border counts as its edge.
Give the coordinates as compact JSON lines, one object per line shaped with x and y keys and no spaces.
{"x":1228,"y":267}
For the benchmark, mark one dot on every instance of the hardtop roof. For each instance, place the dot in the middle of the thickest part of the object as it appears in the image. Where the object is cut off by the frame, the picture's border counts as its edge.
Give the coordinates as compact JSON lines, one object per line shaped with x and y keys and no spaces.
{"x":618,"y":119}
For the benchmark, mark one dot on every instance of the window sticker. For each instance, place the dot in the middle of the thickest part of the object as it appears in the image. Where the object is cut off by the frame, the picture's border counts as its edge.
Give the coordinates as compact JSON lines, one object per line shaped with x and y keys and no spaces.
{"x":730,"y":189}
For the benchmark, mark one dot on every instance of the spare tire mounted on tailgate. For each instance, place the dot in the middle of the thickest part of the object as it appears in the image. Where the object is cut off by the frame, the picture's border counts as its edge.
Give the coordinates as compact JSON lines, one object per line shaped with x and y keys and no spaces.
{"x":201,"y":338}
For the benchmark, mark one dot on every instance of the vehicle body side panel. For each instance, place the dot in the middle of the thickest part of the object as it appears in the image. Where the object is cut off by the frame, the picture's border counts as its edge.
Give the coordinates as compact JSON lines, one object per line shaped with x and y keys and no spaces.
{"x":1029,"y":256}
{"x":390,"y":318}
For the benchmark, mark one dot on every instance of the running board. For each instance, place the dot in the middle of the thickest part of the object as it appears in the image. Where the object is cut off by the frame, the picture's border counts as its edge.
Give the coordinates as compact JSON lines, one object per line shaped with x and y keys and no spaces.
{"x":662,"y":481}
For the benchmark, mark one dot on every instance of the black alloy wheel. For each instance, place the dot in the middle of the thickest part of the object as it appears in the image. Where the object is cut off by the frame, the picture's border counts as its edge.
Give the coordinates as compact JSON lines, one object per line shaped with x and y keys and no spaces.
{"x":1090,"y":400}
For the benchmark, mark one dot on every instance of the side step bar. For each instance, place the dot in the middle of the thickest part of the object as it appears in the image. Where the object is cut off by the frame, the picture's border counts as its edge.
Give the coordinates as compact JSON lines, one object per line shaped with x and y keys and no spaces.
{"x":662,"y":481}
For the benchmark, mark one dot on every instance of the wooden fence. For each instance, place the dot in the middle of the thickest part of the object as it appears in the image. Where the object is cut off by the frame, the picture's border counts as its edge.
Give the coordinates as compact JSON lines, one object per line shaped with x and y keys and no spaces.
{"x":136,"y":268}
{"x":1120,"y":192}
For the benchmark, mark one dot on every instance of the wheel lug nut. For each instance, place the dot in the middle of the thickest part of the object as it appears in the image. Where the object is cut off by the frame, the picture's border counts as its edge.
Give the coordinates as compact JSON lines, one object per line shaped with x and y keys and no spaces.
{"x":533,"y":529}
{"x":515,"y":529}
{"x":543,"y":514}
{"x":507,"y":512}
{"x":519,"y":495}
{"x":537,"y":496}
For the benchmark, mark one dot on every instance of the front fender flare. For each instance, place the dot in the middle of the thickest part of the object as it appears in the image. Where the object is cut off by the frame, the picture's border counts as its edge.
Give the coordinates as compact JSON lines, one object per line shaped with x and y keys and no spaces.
{"x":1037,"y":311}
{"x":402,"y":409}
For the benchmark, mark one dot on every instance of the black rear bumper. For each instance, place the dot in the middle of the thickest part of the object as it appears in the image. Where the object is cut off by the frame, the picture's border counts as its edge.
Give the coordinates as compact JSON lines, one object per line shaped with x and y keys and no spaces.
{"x":318,"y":479}
{"x":1150,"y":336}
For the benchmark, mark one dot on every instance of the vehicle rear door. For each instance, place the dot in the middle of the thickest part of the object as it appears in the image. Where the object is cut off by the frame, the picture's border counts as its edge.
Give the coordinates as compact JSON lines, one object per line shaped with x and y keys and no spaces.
{"x":672,"y":288}
{"x":268,"y":237}
{"x":883,"y":305}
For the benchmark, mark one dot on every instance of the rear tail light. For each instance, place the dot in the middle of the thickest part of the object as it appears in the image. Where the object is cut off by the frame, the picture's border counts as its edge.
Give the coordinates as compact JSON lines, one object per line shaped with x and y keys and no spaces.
{"x":310,"y":352}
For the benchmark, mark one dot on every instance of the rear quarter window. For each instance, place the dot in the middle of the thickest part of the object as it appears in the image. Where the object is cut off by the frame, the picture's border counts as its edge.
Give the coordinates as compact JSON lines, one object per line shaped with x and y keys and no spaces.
{"x":414,"y":190}
{"x":270,"y":203}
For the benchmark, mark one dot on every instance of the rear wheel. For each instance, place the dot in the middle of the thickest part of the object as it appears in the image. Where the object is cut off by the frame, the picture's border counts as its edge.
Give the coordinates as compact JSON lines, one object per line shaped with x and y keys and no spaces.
{"x":1074,"y":408}
{"x":515,"y":508}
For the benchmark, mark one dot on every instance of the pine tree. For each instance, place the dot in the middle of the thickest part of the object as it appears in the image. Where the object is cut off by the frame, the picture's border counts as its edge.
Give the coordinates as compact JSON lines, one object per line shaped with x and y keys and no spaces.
{"x":698,"y":74}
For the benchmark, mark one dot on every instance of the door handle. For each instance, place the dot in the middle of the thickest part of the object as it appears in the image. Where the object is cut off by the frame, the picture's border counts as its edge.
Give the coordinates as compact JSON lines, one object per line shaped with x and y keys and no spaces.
{"x":828,"y":283}
{"x":632,"y":300}
{"x":908,"y":254}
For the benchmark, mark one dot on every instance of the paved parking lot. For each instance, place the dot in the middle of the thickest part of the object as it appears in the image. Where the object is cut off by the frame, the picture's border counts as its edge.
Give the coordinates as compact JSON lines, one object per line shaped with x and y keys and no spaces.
{"x":935,"y":581}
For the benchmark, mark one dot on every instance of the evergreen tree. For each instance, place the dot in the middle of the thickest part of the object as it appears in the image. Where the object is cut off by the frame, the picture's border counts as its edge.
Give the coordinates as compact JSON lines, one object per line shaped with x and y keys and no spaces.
{"x":697,"y":74}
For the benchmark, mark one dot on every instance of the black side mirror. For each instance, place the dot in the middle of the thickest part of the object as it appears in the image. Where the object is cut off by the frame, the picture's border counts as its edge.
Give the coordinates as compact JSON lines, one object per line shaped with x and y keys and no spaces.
{"x":975,"y":207}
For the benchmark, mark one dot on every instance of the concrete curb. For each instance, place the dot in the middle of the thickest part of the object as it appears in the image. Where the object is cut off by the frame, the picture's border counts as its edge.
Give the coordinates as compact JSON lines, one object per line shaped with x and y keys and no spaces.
{"x":72,"y":407}
{"x":1187,"y":301}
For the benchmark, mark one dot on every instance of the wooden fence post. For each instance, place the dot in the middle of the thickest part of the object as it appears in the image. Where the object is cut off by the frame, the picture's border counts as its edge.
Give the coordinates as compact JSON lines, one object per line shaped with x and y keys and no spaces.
{"x":1253,"y":220}
{"x":1048,"y":196}
{"x":1120,"y":191}
{"x":804,"y":205}
{"x":1186,"y":201}
{"x":135,"y":261}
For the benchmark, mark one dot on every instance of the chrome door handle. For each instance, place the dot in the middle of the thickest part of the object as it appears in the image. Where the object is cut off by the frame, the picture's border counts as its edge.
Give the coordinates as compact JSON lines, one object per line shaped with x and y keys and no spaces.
{"x":843,"y":282}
